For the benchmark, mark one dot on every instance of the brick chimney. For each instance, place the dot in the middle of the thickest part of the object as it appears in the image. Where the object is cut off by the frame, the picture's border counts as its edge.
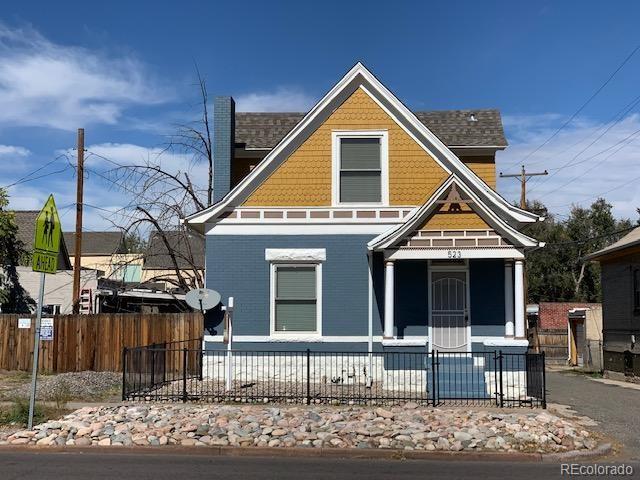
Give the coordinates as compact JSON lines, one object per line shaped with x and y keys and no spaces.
{"x":224,"y":127}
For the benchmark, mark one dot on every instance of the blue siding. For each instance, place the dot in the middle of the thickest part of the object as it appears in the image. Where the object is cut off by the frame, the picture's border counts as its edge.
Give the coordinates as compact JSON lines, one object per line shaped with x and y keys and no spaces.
{"x":486,"y":282}
{"x":236,"y":267}
{"x":411,"y":313}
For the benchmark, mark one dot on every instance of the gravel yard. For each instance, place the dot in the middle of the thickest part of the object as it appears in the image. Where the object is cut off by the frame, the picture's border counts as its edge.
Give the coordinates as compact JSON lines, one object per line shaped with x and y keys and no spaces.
{"x":63,"y":387}
{"x":409,"y":427}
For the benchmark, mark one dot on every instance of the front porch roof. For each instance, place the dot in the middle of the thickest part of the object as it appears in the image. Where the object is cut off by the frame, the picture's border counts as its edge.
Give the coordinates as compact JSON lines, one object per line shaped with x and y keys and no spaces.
{"x":392,"y":237}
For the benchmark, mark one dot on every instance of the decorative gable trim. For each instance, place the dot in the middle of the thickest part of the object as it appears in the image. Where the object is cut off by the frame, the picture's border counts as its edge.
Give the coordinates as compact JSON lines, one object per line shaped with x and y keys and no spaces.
{"x":451,"y":188}
{"x":360,"y":77}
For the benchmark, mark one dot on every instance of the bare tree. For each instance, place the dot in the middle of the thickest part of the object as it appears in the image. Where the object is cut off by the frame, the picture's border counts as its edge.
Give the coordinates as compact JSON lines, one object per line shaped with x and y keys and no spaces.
{"x":162,"y":195}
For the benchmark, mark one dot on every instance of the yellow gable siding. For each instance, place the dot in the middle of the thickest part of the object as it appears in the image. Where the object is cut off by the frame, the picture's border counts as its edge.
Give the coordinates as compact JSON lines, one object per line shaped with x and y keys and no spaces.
{"x":304,"y":179}
{"x":484,"y":167}
{"x":466,"y":220}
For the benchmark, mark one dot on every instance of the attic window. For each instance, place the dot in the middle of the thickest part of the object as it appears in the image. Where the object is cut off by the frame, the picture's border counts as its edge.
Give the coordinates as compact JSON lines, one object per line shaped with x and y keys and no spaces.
{"x":360,"y":168}
{"x":472,"y":117}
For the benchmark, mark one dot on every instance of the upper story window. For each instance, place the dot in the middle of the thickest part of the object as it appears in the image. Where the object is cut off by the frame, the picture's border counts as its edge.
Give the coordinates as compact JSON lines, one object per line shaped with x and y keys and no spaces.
{"x":360,"y":165}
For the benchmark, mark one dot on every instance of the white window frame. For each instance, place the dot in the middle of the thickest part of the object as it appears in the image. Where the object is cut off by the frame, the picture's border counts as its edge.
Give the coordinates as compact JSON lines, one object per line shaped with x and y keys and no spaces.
{"x":294,"y":335}
{"x":336,"y":137}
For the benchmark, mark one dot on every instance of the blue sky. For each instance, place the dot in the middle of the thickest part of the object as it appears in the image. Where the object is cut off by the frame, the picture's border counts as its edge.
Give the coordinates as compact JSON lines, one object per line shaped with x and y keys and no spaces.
{"x":125,"y":72}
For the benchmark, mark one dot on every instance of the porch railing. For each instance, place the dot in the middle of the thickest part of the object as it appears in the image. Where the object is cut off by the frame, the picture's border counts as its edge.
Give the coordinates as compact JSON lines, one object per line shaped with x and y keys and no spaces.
{"x":171,"y":373}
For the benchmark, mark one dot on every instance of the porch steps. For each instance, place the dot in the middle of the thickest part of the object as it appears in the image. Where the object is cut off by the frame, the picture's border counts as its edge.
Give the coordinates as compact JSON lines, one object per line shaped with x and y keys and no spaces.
{"x":458,"y":378}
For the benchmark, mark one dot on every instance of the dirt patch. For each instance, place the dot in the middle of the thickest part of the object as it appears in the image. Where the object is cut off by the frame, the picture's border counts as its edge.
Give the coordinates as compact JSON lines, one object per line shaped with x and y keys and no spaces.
{"x":63,"y":387}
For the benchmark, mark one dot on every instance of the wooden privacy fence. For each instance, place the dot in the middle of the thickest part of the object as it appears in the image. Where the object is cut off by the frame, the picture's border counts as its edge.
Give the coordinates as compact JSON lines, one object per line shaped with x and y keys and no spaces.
{"x":92,"y":342}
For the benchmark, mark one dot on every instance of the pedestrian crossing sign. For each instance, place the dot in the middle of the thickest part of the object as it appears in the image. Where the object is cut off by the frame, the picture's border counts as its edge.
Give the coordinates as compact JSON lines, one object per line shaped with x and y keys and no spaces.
{"x":46,"y":244}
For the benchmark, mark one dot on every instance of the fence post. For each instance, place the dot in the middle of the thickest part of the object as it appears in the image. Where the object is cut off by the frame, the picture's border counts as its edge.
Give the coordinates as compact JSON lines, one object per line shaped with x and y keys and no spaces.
{"x":124,"y":373}
{"x":153,"y":366}
{"x":308,"y":376}
{"x":433,"y":377}
{"x":544,"y":382}
{"x":201,"y":358}
{"x":501,"y":394}
{"x":184,"y":374}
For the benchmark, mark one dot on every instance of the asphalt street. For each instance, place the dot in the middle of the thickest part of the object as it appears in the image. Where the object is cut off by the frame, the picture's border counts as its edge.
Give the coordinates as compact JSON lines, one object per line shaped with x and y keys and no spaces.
{"x":158,"y":466}
{"x":616,"y":409}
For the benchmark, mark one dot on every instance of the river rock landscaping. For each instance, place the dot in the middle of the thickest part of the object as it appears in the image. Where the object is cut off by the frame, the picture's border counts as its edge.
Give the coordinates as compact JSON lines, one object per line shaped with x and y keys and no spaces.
{"x":407,"y":427}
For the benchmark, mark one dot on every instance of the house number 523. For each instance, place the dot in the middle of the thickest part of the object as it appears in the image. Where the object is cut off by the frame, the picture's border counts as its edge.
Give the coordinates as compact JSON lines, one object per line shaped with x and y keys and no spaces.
{"x":454,"y":253}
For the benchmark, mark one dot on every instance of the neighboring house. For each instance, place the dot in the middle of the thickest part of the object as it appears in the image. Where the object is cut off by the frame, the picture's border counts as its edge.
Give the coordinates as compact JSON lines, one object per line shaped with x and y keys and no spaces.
{"x":568,"y":332}
{"x":620,"y":273}
{"x":182,"y":259}
{"x":105,"y":251}
{"x":58,"y":293}
{"x":362,"y":226}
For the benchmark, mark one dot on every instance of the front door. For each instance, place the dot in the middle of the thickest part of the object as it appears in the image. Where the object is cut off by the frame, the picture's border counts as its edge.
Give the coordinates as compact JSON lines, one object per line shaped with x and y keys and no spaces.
{"x":449,"y":314}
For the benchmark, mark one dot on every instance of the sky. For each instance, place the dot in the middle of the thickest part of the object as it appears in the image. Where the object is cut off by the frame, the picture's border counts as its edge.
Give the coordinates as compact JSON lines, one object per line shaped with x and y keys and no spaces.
{"x":125,"y":72}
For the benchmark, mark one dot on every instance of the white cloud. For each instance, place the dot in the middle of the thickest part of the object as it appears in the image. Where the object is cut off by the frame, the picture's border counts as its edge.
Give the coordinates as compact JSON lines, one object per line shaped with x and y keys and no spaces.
{"x":284,"y":99}
{"x":581,"y":165}
{"x":58,"y":86}
{"x":13,"y":151}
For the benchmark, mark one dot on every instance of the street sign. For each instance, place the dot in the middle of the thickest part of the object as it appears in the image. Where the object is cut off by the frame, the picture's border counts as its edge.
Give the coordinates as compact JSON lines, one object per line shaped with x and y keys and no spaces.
{"x":46,"y":329}
{"x":24,"y":323}
{"x":46,"y":244}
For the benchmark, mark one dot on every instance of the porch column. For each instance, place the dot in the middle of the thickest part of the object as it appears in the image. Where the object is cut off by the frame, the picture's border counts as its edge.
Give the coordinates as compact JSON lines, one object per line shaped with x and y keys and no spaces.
{"x":508,"y":299}
{"x":388,"y":300}
{"x":519,"y":298}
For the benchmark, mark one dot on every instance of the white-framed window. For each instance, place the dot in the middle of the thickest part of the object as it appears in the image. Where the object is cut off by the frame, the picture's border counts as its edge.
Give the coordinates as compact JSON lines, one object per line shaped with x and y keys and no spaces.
{"x":296,"y":298}
{"x":360,"y":167}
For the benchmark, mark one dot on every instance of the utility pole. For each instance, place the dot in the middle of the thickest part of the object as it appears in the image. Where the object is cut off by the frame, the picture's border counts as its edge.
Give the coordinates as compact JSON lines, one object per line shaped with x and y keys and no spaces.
{"x":78,"y":243}
{"x":523,"y":176}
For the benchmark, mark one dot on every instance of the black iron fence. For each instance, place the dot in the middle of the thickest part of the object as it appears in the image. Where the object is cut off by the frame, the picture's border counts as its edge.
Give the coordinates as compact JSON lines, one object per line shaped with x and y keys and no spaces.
{"x":178,"y":373}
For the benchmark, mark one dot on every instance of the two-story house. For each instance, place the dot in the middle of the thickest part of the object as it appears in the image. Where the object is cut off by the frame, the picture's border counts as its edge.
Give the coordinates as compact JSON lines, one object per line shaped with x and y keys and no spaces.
{"x":364,"y":226}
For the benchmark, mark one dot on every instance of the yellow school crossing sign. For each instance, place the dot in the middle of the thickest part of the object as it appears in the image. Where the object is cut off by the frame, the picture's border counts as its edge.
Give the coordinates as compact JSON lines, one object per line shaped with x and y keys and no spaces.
{"x":46,"y":243}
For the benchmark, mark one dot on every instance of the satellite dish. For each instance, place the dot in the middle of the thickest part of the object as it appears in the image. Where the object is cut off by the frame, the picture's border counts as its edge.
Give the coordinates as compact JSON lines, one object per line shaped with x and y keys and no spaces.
{"x":202,"y":299}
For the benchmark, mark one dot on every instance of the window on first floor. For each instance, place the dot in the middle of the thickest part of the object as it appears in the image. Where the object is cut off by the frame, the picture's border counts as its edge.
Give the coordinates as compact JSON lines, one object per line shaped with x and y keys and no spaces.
{"x":295,"y":294}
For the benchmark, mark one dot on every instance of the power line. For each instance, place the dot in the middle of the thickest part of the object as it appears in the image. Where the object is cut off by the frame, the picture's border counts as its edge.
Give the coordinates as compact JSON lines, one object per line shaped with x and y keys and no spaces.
{"x":582,"y":107}
{"x":590,"y":239}
{"x":524,"y":177}
{"x":29,"y":178}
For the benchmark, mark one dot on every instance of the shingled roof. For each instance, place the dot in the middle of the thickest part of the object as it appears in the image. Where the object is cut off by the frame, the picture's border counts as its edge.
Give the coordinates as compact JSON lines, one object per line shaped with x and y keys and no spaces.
{"x":96,"y":243}
{"x":453,"y":127}
{"x":187,"y":247}
{"x":26,"y":222}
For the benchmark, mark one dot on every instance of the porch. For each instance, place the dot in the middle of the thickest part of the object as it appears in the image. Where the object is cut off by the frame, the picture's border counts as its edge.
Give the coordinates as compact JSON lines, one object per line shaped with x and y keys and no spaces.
{"x":458,"y":305}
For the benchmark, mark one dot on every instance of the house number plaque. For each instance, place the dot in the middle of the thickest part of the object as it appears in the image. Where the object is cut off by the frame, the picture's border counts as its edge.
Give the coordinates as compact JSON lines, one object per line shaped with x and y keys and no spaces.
{"x":454,"y":254}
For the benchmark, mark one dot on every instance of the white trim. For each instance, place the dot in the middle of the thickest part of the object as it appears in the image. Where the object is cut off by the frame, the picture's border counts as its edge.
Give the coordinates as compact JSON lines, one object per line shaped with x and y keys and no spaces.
{"x":441,"y":253}
{"x":272,"y":303}
{"x":302,"y":229}
{"x":509,"y":328}
{"x":500,"y":342}
{"x":336,"y":137}
{"x":358,"y":75}
{"x":405,"y":342}
{"x":299,"y":338}
{"x":518,"y":299}
{"x":389,"y":299}
{"x":396,"y":233}
{"x":295,"y":254}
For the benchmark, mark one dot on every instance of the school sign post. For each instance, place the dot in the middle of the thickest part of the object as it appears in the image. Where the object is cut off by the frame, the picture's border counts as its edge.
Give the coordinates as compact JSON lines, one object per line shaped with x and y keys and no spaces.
{"x":46,"y":247}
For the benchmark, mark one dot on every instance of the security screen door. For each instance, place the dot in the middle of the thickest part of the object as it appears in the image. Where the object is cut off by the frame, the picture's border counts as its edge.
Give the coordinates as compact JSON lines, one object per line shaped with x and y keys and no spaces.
{"x":449,"y":311}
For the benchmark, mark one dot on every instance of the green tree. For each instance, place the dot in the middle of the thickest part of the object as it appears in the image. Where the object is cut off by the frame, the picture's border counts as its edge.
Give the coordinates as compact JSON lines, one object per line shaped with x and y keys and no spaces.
{"x":557,"y":271}
{"x":13,"y":298}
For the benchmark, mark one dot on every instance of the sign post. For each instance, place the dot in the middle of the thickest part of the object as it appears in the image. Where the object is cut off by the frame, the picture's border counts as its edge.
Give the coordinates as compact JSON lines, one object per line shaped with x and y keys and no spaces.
{"x":46,"y":246}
